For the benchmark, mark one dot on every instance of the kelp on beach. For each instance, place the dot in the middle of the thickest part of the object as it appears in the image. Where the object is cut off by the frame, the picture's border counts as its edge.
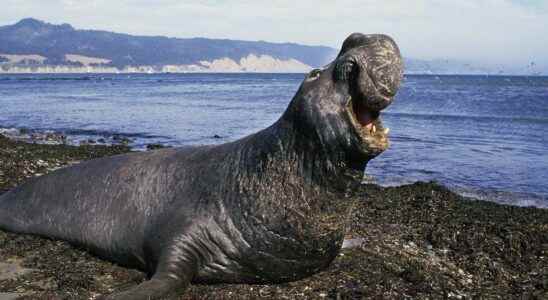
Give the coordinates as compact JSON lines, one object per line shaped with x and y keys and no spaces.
{"x":414,"y":241}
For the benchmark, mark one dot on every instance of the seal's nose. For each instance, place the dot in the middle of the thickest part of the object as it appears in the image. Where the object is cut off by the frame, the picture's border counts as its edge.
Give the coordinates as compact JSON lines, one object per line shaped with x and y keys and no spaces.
{"x":385,"y":66}
{"x":359,"y":39}
{"x":373,"y":67}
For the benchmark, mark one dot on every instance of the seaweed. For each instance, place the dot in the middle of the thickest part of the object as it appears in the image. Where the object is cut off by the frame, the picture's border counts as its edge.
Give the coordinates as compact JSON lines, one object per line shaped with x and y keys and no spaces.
{"x":419,"y":241}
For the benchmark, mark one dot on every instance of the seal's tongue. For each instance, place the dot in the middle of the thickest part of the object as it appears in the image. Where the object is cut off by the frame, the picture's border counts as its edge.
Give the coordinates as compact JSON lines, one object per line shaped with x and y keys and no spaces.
{"x":365,"y":116}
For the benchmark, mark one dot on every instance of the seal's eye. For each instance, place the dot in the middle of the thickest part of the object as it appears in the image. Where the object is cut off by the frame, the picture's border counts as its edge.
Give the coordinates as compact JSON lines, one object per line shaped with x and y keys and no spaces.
{"x":314,"y":74}
{"x":344,"y":69}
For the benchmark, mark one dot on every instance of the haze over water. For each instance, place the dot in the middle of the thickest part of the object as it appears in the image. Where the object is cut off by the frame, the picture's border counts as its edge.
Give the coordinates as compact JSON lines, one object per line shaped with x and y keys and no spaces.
{"x":482,"y":136}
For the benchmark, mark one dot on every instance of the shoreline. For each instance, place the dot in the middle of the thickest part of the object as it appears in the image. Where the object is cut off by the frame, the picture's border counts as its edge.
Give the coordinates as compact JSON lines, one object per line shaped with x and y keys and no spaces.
{"x":51,"y":137}
{"x":414,"y":241}
{"x":135,"y":142}
{"x":273,"y":72}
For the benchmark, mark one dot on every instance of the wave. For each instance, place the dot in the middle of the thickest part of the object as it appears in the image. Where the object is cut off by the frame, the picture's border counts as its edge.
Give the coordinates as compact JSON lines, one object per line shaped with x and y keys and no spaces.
{"x":13,"y":131}
{"x":106,"y":133}
{"x":427,"y":116}
{"x":55,"y":78}
{"x":504,"y":197}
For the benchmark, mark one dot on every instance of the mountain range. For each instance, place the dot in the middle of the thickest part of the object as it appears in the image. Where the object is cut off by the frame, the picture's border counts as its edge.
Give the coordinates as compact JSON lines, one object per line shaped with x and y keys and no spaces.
{"x":32,"y":45}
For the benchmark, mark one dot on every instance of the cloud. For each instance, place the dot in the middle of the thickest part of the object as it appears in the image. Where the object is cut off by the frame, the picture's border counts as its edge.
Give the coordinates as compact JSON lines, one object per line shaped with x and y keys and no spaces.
{"x":495,"y":31}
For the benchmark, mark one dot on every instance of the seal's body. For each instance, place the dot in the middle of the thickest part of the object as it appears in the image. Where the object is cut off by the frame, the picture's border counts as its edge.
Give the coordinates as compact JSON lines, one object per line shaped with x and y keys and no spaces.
{"x":261,"y":209}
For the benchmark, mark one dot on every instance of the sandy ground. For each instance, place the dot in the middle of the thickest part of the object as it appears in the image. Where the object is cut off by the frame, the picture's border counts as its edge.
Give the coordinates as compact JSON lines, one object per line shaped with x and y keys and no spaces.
{"x":419,"y":241}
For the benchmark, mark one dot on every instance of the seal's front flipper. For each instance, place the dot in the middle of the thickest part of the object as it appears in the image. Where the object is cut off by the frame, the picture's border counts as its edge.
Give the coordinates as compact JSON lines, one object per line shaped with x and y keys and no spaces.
{"x":172,"y":275}
{"x":158,"y":287}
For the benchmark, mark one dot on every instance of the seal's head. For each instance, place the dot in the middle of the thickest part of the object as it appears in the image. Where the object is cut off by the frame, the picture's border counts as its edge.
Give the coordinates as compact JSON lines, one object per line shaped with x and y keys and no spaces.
{"x":341,"y":103}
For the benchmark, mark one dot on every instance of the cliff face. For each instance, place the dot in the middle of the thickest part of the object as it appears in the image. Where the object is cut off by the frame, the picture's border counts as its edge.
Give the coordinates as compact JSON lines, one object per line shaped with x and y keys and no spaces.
{"x":35,"y":46}
{"x":81,"y":64}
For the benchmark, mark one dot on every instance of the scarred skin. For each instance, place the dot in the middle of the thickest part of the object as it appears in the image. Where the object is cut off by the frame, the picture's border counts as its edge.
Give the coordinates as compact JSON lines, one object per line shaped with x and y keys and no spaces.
{"x":263,"y":209}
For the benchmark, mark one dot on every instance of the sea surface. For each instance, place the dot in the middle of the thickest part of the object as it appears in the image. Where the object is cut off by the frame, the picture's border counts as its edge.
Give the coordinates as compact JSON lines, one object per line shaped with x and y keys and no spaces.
{"x":483,"y":136}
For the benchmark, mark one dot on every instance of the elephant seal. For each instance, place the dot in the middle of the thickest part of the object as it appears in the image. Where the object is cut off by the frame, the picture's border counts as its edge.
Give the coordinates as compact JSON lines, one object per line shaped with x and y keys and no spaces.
{"x":262,"y":209}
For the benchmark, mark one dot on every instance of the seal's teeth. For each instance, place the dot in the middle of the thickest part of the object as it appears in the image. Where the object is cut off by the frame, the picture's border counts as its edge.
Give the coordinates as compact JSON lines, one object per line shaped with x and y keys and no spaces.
{"x":373,"y":129}
{"x":386,"y":130}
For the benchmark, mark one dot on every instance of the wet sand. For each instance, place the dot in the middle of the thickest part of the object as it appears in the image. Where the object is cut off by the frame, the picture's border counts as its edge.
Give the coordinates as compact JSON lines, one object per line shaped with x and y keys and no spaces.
{"x":418,"y":241}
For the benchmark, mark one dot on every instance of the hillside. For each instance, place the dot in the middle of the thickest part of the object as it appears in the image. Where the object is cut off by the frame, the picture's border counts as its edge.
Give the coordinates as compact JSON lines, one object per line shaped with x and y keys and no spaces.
{"x":31,"y":43}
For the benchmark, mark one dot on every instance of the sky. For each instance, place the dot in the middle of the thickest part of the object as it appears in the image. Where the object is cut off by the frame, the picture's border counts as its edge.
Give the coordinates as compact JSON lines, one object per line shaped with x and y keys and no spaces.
{"x":500,"y":32}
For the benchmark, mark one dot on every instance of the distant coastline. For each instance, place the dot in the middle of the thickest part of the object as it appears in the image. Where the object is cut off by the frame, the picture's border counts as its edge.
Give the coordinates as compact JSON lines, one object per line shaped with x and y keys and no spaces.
{"x":34,"y":46}
{"x":81,"y":64}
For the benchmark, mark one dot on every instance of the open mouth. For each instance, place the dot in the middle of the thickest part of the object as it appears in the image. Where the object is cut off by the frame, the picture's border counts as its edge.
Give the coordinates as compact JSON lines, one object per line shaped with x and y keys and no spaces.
{"x":368,"y":124}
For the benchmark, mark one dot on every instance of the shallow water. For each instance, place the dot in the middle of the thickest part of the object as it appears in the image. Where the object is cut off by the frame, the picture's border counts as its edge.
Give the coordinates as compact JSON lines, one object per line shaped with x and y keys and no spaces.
{"x":485,"y":136}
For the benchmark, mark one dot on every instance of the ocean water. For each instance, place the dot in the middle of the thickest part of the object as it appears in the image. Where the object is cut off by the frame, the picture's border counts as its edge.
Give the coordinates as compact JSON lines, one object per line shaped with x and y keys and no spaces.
{"x":483,"y":136}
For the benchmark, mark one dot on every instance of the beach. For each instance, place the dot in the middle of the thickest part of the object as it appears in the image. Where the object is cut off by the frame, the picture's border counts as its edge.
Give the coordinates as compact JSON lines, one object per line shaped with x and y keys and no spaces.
{"x":413,"y":241}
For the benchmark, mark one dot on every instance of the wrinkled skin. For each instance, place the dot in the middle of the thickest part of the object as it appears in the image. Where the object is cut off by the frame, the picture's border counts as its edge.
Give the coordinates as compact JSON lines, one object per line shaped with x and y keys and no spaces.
{"x":262,"y":209}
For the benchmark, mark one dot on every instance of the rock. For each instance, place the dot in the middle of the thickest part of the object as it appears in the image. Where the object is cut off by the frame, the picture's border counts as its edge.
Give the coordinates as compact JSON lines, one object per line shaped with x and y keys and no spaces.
{"x":353,"y":243}
{"x":155,"y":146}
{"x":11,"y":296}
{"x":12,"y":269}
{"x":121,"y":139}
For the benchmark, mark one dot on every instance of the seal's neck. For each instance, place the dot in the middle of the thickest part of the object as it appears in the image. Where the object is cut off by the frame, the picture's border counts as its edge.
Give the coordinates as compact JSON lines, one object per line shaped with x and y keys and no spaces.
{"x":300,"y":157}
{"x":285,"y":188}
{"x":290,"y":183}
